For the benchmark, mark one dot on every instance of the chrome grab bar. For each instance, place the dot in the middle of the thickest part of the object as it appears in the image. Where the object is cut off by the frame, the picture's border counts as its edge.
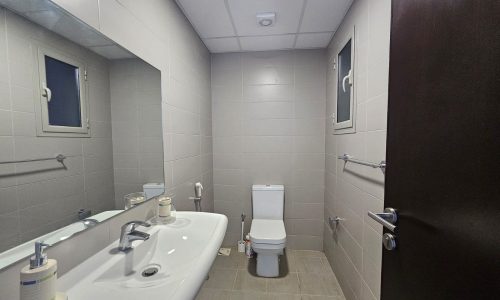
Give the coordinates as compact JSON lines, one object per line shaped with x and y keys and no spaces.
{"x":60,"y":158}
{"x":386,"y":219}
{"x":347,"y":158}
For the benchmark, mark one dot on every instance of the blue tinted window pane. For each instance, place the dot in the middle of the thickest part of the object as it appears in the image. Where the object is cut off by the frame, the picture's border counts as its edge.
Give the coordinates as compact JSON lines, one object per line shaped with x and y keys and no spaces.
{"x":344,"y":97}
{"x":63,"y":80}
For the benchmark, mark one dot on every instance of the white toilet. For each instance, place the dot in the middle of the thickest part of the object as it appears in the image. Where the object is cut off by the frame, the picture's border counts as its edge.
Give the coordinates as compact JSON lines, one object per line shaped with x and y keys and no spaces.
{"x":267,"y":234}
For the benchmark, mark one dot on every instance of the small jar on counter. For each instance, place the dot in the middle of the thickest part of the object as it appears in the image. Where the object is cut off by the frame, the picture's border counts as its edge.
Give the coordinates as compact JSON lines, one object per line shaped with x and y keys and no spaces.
{"x":164,"y":206}
{"x":133,"y":199}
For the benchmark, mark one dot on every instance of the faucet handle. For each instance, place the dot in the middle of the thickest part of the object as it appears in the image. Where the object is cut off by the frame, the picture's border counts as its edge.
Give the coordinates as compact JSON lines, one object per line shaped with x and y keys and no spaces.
{"x":132,"y":225}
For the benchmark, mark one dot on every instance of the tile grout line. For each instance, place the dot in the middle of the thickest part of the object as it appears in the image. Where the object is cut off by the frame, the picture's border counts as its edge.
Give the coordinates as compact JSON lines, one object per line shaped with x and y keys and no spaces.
{"x":233,"y":287}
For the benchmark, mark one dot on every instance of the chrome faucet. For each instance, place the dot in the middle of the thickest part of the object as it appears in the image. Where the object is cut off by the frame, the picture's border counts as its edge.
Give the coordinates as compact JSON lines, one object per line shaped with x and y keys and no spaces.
{"x":129,"y":234}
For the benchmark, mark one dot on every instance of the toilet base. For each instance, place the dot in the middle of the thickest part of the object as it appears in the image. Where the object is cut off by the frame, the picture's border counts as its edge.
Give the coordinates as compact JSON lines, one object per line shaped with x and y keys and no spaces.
{"x":268,"y":264}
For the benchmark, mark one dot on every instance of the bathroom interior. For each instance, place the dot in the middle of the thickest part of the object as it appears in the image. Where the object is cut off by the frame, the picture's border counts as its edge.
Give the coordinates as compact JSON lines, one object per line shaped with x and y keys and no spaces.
{"x":236,"y":149}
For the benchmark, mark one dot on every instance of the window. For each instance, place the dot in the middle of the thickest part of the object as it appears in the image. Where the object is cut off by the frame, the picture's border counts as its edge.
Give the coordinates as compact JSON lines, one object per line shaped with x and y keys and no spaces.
{"x":345,"y":104}
{"x":62,"y":107}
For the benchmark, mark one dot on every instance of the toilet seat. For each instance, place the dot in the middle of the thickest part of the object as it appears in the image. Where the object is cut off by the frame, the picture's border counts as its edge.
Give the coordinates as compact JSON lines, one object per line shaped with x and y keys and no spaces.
{"x":268,"y":232}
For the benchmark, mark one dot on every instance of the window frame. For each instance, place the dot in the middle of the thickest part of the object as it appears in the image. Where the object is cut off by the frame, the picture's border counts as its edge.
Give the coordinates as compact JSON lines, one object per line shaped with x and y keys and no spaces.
{"x":43,"y":126}
{"x":348,"y":126}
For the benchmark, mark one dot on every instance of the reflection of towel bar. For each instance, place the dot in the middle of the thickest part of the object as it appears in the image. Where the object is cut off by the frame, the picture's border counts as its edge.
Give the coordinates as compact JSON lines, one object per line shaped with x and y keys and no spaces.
{"x":347,"y":158}
{"x":60,"y":158}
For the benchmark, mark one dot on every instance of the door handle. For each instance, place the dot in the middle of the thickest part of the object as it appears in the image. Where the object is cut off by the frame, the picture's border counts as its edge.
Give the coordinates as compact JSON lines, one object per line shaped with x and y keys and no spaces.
{"x":386,"y":219}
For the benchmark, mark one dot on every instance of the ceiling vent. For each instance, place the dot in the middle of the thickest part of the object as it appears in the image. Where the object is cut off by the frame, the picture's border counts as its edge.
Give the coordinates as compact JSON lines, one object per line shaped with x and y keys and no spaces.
{"x":266,"y":19}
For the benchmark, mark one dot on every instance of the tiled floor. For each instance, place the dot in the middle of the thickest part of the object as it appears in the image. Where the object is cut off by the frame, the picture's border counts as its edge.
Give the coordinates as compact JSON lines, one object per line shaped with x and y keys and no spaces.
{"x":304,"y":275}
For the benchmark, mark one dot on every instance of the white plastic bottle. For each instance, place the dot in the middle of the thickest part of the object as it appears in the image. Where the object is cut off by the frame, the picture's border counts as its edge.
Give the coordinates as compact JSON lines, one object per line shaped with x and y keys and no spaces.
{"x":38,"y":279}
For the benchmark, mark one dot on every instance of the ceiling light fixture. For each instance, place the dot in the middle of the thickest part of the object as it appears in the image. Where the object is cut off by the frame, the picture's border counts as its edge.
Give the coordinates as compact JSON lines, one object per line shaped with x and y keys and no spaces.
{"x":266,"y":19}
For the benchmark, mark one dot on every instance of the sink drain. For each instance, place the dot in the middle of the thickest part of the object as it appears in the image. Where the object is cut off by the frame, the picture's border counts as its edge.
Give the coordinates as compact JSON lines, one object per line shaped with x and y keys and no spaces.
{"x":150,"y":272}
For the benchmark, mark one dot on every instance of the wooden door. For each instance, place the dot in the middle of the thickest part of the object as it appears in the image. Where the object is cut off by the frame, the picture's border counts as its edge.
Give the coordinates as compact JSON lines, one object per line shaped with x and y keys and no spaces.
{"x":443,"y":150}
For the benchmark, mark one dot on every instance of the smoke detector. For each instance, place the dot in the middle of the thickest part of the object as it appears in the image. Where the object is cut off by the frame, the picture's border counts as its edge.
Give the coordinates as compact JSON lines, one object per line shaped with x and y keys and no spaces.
{"x":266,"y":19}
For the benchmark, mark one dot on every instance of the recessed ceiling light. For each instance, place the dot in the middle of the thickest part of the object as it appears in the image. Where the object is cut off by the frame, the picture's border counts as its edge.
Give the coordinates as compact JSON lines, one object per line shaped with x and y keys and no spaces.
{"x":266,"y":19}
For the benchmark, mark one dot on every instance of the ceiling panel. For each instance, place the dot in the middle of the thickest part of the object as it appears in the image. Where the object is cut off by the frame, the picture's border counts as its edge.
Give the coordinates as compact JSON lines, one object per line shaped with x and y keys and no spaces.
{"x":209,"y":17}
{"x":324,"y":15}
{"x":288,"y":14}
{"x":231,"y":25}
{"x":313,"y":40}
{"x":219,"y":45}
{"x":262,"y":43}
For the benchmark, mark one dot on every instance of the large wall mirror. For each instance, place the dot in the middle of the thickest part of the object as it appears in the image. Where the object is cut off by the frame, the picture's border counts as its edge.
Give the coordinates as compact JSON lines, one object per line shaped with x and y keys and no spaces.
{"x":80,"y":127}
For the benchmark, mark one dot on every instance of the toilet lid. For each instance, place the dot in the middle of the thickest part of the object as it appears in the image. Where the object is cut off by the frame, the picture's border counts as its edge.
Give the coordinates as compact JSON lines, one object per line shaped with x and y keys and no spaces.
{"x":267,"y":231}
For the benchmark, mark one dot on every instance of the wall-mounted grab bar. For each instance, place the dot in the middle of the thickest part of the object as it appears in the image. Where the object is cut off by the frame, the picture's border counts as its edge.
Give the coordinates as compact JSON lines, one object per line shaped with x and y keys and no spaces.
{"x":347,"y":158}
{"x":60,"y":158}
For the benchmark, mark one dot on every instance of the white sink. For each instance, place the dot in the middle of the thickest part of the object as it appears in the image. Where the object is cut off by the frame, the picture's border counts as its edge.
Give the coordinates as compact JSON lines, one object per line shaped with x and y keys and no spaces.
{"x":177,"y":257}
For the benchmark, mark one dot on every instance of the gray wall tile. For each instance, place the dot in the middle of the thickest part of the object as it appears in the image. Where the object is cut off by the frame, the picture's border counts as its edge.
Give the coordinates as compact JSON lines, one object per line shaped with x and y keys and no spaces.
{"x":269,"y":128}
{"x":44,"y":189}
{"x":355,"y":250}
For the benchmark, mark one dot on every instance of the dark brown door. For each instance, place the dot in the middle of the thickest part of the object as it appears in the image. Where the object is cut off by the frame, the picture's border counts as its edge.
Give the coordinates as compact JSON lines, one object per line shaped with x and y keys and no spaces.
{"x":443,"y":150}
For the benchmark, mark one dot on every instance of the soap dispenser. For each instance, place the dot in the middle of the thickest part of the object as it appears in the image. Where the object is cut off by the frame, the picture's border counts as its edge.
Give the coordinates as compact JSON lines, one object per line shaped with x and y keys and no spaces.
{"x":38,"y":279}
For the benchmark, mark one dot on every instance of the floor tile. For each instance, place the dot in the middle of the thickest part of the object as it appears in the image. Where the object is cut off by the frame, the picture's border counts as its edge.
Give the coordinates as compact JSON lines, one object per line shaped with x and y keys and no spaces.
{"x":247,"y":282}
{"x":287,"y":284}
{"x":226,"y":262}
{"x":213,"y":294}
{"x":304,"y":275}
{"x":308,"y":253}
{"x":288,"y":262}
{"x":274,"y":296}
{"x":318,"y":284}
{"x":245,"y":295}
{"x":221,"y":279}
{"x":311,"y":264}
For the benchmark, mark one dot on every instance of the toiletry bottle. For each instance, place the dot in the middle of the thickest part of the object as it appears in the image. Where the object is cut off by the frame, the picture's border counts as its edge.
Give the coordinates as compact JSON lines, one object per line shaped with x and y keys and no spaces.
{"x":248,"y":247}
{"x":38,"y":279}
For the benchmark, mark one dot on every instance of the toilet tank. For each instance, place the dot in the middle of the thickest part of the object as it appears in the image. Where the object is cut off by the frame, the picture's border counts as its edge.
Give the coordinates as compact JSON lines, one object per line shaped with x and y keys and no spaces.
{"x":153,"y":189}
{"x":268,"y":201}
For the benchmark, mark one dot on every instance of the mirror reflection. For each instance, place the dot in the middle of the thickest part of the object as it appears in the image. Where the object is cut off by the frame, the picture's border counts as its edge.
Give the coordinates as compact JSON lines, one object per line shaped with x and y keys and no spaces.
{"x":80,"y":128}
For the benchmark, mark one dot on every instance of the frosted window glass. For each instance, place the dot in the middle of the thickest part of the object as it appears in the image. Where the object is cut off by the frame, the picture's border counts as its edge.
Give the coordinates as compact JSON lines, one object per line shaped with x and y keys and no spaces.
{"x":344,"y":97}
{"x":63,"y":80}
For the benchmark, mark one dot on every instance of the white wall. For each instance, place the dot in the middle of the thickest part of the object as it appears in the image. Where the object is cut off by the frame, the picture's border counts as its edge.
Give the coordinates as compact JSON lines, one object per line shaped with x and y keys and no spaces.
{"x":39,"y":197}
{"x":269,"y":128}
{"x":136,"y":125}
{"x":355,"y":249}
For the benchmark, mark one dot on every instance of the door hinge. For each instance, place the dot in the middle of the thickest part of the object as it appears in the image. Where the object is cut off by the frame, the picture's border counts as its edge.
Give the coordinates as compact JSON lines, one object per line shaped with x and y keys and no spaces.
{"x":88,"y":123}
{"x":85,"y":74}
